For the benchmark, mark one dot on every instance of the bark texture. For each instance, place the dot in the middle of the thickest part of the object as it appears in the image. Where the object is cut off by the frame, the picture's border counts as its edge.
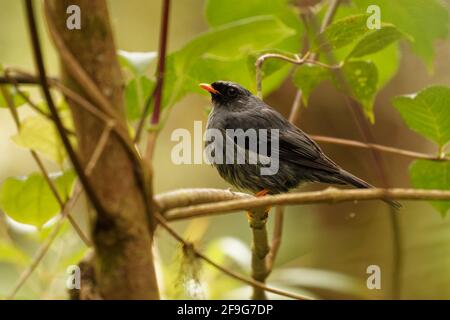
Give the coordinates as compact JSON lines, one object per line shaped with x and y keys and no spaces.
{"x":123,"y":262}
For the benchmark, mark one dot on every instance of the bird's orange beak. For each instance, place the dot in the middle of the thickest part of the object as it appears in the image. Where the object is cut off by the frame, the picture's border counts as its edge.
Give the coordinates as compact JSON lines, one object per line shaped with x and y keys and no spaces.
{"x":208,"y":88}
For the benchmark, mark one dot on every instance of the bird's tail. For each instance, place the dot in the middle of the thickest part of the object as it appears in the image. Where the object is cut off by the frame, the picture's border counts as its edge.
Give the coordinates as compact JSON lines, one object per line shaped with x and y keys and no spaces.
{"x":352,"y":180}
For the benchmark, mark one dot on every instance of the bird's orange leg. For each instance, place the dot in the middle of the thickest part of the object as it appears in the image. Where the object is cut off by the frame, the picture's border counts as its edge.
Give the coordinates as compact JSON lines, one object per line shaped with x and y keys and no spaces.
{"x":259,"y":194}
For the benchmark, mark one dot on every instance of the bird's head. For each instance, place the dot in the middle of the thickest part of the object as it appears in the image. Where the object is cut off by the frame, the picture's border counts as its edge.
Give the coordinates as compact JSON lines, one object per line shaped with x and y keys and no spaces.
{"x":228,"y":94}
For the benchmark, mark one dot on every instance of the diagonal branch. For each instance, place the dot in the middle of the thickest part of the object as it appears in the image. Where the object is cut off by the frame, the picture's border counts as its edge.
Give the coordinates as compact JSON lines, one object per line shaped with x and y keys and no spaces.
{"x":190,"y":247}
{"x":57,"y":120}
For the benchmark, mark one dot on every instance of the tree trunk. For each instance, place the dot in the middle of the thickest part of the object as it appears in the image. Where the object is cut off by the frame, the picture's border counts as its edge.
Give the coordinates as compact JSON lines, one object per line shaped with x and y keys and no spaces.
{"x":123,"y":262}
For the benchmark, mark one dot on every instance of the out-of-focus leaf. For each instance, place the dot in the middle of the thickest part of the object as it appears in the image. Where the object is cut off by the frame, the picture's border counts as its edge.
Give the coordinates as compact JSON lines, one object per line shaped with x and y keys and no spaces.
{"x":231,"y":250}
{"x":361,"y":78}
{"x":427,"y":113}
{"x":376,"y":41}
{"x":39,"y":134}
{"x":17,"y":99}
{"x":237,"y":40}
{"x":427,"y":174}
{"x":425,"y":20}
{"x":136,"y":93}
{"x":341,"y":33}
{"x":136,"y":62}
{"x":64,"y":183}
{"x":220,"y":12}
{"x":11,"y":254}
{"x":309,"y":76}
{"x":30,"y":200}
{"x":306,"y":278}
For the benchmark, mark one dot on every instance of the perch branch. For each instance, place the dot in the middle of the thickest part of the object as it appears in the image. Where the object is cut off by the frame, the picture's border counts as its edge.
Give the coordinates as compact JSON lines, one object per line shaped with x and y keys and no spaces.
{"x":329,"y":195}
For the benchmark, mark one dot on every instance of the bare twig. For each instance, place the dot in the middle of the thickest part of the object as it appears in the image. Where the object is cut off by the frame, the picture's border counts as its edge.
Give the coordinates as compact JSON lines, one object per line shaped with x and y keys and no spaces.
{"x":189,"y":246}
{"x":329,"y":195}
{"x":379,"y":147}
{"x":158,"y":93}
{"x":297,"y":60}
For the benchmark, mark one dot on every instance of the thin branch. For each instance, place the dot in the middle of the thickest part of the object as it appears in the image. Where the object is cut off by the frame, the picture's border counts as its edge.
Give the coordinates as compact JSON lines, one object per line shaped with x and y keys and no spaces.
{"x":329,"y":15}
{"x":42,"y":168}
{"x":164,"y":33}
{"x":297,"y":60}
{"x":160,"y":72}
{"x":189,"y":246}
{"x":379,"y":147}
{"x":25,"y":275}
{"x":54,"y":112}
{"x":145,"y":111}
{"x":329,"y":195}
{"x":15,"y":83}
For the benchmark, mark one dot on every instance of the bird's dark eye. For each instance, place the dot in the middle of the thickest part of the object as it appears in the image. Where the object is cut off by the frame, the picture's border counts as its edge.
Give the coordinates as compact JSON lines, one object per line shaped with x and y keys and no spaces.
{"x":231,"y":92}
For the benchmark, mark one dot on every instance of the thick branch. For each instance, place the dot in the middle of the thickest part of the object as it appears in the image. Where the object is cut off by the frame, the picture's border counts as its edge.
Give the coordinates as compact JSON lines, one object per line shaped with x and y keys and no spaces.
{"x":123,"y":259}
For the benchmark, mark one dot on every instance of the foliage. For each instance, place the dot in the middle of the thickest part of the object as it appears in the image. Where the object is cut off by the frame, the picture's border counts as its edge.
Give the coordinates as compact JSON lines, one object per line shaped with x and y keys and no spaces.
{"x":239,"y":32}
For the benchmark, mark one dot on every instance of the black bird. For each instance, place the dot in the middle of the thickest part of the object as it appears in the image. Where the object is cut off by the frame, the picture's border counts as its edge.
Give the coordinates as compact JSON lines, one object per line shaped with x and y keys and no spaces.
{"x":300,"y":158}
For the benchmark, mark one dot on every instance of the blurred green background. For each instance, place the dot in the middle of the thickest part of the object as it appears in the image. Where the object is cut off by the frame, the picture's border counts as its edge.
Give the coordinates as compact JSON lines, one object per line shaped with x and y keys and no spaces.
{"x":325,"y":249}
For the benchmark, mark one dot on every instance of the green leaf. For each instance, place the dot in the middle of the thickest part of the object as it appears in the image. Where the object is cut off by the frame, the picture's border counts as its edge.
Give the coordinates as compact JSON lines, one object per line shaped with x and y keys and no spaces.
{"x":136,"y":62}
{"x":386,"y":60}
{"x":17,"y":99}
{"x":426,"y":174}
{"x":309,"y":76}
{"x":11,"y":254}
{"x":30,"y":200}
{"x":220,"y":12}
{"x":361,"y":79}
{"x":237,"y":40}
{"x":376,"y":41}
{"x":137,"y":91}
{"x":65,"y":183}
{"x":427,"y":113}
{"x":39,"y":134}
{"x":341,"y":33}
{"x":425,"y":20}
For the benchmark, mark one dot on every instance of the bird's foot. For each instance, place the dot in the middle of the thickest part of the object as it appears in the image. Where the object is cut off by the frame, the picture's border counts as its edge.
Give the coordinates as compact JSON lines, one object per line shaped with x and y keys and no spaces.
{"x":261,"y":193}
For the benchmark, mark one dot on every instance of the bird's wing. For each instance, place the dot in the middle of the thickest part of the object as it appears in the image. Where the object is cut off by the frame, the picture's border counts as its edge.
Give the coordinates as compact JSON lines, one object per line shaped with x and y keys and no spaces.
{"x":294,"y":145}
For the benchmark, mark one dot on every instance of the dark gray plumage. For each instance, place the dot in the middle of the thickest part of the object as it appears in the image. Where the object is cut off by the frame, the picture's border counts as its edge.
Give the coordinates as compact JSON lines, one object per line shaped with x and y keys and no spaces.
{"x":300,"y":158}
